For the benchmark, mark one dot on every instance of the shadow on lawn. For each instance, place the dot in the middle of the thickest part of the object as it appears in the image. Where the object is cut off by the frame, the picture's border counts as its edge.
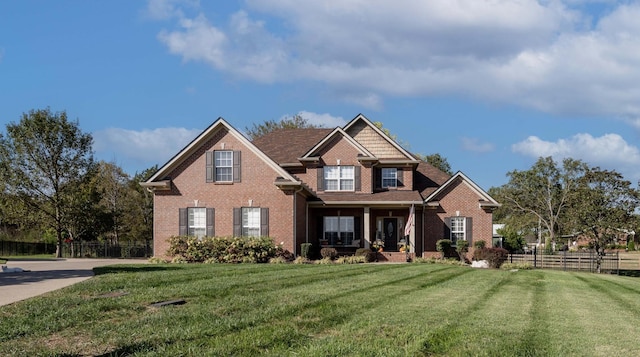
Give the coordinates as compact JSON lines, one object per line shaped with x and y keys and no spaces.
{"x":132,"y":269}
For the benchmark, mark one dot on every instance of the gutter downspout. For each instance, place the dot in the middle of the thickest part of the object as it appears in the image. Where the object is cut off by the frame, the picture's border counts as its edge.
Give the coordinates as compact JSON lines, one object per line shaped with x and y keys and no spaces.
{"x":295,"y":221}
{"x":423,"y":225}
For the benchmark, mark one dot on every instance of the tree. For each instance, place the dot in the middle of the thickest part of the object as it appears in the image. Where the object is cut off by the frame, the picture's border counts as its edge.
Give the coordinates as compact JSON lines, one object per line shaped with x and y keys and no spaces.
{"x":139,"y":209}
{"x":294,"y":122}
{"x":603,"y":207}
{"x":438,"y":161}
{"x":41,"y":159}
{"x":544,"y":192}
{"x":112,"y":183}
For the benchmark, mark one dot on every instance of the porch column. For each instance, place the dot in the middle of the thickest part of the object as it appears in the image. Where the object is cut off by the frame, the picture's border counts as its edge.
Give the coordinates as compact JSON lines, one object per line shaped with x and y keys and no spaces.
{"x":367,"y":234}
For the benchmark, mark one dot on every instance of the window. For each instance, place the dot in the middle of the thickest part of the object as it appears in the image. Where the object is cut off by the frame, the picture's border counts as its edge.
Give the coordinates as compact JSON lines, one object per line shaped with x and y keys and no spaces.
{"x":196,"y":221}
{"x":389,"y":177}
{"x":457,"y":229}
{"x":339,"y":230}
{"x":250,"y":222}
{"x":197,"y":225}
{"x":224,"y":166}
{"x":339,"y":178}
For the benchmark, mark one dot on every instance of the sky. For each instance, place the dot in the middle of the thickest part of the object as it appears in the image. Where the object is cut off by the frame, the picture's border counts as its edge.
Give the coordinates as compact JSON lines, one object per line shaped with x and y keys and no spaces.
{"x":490,"y":85}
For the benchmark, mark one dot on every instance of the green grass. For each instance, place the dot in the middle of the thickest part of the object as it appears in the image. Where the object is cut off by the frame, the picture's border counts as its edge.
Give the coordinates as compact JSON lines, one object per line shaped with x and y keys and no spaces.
{"x":329,"y":310}
{"x":5,"y":258}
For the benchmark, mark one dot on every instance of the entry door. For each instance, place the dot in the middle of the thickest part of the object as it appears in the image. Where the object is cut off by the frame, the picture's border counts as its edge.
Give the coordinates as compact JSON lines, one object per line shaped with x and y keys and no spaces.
{"x":390,"y":229}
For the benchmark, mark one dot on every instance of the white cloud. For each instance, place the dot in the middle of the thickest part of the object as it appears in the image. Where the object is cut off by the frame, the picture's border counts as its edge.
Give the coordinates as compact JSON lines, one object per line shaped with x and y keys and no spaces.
{"x":325,"y":120}
{"x":609,"y":151}
{"x":547,"y":55}
{"x":475,"y":145}
{"x":167,"y":9}
{"x":144,"y":147}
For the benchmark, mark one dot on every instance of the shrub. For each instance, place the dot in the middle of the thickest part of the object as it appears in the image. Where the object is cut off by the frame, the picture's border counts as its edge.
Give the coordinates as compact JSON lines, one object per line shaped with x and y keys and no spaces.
{"x":479,"y":244}
{"x":178,"y":259}
{"x":519,"y":266}
{"x":305,"y":250}
{"x":494,"y":256}
{"x":278,"y":260}
{"x":301,"y":260}
{"x":330,"y":253}
{"x":631,"y":246}
{"x":352,"y":259}
{"x":226,"y":249}
{"x":444,"y":246}
{"x":369,"y":255}
{"x":462,"y":247}
{"x":421,"y":260}
{"x":324,"y":261}
{"x":156,"y":260}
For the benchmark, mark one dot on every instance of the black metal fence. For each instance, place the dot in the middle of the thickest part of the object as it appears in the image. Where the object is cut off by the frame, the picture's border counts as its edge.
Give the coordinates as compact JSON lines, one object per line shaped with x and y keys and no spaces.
{"x":80,"y":249}
{"x":577,"y":261}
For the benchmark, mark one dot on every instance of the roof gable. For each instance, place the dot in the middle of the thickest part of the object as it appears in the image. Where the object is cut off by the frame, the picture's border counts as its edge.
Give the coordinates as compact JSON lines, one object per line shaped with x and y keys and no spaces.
{"x":327,"y":139}
{"x":286,"y":146}
{"x":486,"y":201}
{"x":375,"y":140}
{"x":213,"y":129}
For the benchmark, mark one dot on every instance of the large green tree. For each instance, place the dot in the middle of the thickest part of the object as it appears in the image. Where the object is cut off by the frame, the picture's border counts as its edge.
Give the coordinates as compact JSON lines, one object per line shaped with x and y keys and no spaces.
{"x":294,"y":122}
{"x":602,"y":208}
{"x":41,"y":159}
{"x":544,"y":192}
{"x":437,"y":161}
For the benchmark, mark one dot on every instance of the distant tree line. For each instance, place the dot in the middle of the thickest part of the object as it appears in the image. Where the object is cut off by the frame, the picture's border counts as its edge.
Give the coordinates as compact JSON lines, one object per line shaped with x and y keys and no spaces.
{"x":51,"y":189}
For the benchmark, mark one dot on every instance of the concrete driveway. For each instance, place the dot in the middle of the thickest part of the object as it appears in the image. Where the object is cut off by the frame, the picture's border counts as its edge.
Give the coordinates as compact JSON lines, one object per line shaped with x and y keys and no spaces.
{"x":49,"y":275}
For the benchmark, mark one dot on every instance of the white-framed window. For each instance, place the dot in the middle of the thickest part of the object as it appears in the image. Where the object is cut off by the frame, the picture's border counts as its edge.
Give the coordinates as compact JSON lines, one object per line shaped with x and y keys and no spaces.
{"x":339,"y":178}
{"x":250,"y":221}
{"x":389,"y":177}
{"x":224,"y":166}
{"x":197,"y":221}
{"x":458,"y":229}
{"x":339,"y":230}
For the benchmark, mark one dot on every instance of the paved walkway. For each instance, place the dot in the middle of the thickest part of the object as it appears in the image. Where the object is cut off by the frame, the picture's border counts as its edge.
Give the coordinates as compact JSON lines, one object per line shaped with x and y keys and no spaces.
{"x":48,"y":275}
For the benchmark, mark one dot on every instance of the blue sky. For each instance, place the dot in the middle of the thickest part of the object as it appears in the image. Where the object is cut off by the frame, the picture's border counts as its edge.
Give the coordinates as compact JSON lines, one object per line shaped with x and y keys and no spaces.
{"x":490,"y":85}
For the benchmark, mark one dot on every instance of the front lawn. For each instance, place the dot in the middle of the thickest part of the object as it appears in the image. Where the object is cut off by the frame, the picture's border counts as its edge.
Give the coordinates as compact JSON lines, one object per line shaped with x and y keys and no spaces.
{"x":329,"y":310}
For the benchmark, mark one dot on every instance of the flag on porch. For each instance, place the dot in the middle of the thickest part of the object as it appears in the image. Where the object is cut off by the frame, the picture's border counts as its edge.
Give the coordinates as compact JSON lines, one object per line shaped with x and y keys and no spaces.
{"x":410,"y":222}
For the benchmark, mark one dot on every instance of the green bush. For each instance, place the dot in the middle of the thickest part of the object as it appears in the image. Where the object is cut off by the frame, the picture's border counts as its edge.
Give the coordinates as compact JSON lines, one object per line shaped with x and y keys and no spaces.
{"x":494,"y":256}
{"x":631,"y":246}
{"x":444,"y":246}
{"x":301,"y":260}
{"x":225,"y":249}
{"x":351,"y":259}
{"x":369,"y":255}
{"x":324,"y":261}
{"x":518,"y":265}
{"x":305,"y":250}
{"x":479,"y":244}
{"x":330,"y":253}
{"x":462,"y":247}
{"x":278,"y":260}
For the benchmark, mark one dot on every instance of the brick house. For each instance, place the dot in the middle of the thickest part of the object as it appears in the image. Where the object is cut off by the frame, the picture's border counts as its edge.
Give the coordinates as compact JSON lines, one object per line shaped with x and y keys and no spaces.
{"x":346,"y":188}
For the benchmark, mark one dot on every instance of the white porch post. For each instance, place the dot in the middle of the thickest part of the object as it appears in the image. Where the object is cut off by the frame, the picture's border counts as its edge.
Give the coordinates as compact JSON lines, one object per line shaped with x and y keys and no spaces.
{"x":367,"y":234}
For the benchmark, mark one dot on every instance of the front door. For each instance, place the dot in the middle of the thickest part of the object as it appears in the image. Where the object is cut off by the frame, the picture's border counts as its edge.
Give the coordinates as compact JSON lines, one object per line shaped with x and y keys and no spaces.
{"x":390,"y":229}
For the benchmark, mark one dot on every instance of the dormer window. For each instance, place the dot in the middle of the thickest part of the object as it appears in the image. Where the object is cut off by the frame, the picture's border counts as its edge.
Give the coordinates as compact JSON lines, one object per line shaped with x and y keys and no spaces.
{"x":339,"y":178}
{"x":389,"y":178}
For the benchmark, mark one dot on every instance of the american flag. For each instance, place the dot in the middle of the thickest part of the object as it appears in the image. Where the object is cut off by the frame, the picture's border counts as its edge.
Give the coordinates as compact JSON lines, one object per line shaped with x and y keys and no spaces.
{"x":410,"y":222}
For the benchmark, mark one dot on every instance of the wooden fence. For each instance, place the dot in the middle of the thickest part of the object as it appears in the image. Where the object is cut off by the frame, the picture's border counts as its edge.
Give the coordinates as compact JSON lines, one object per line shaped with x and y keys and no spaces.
{"x":612,"y":262}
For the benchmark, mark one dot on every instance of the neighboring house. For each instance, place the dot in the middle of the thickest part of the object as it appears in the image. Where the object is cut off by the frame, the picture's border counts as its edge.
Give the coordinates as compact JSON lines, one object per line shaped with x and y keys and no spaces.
{"x":342,"y":188}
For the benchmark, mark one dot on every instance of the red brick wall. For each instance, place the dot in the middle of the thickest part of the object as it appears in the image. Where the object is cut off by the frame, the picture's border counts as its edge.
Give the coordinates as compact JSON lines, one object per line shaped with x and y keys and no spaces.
{"x":188,"y":181}
{"x":462,"y":198}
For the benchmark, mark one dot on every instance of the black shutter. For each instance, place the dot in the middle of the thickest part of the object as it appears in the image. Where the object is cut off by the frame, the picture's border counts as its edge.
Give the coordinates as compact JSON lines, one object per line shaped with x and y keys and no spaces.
{"x":264,"y":222}
{"x":357,"y":230}
{"x":400,"y":174}
{"x":237,"y":222}
{"x":377,"y":178}
{"x":210,"y":167}
{"x":447,"y":228}
{"x":183,"y":219}
{"x":320,"y":171}
{"x":356,"y":178}
{"x":237,"y":172}
{"x":211,"y":229}
{"x":468,"y":230}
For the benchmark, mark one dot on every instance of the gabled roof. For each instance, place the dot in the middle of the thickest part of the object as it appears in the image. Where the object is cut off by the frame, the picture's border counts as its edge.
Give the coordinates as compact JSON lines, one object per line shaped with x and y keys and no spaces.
{"x":485,"y":201}
{"x":337,"y":131}
{"x":158,"y":178}
{"x":286,"y":146}
{"x":361,"y":118}
{"x":428,"y":178}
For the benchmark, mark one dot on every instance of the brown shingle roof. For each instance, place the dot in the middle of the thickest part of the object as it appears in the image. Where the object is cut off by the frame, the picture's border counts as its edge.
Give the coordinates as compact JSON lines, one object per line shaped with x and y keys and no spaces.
{"x":285,"y":146}
{"x":427,"y":178}
{"x":385,"y":196}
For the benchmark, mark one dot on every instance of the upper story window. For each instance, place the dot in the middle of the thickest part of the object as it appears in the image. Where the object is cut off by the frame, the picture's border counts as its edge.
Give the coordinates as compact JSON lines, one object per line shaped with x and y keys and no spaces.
{"x":339,"y":178}
{"x":223,"y":166}
{"x":389,"y":177}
